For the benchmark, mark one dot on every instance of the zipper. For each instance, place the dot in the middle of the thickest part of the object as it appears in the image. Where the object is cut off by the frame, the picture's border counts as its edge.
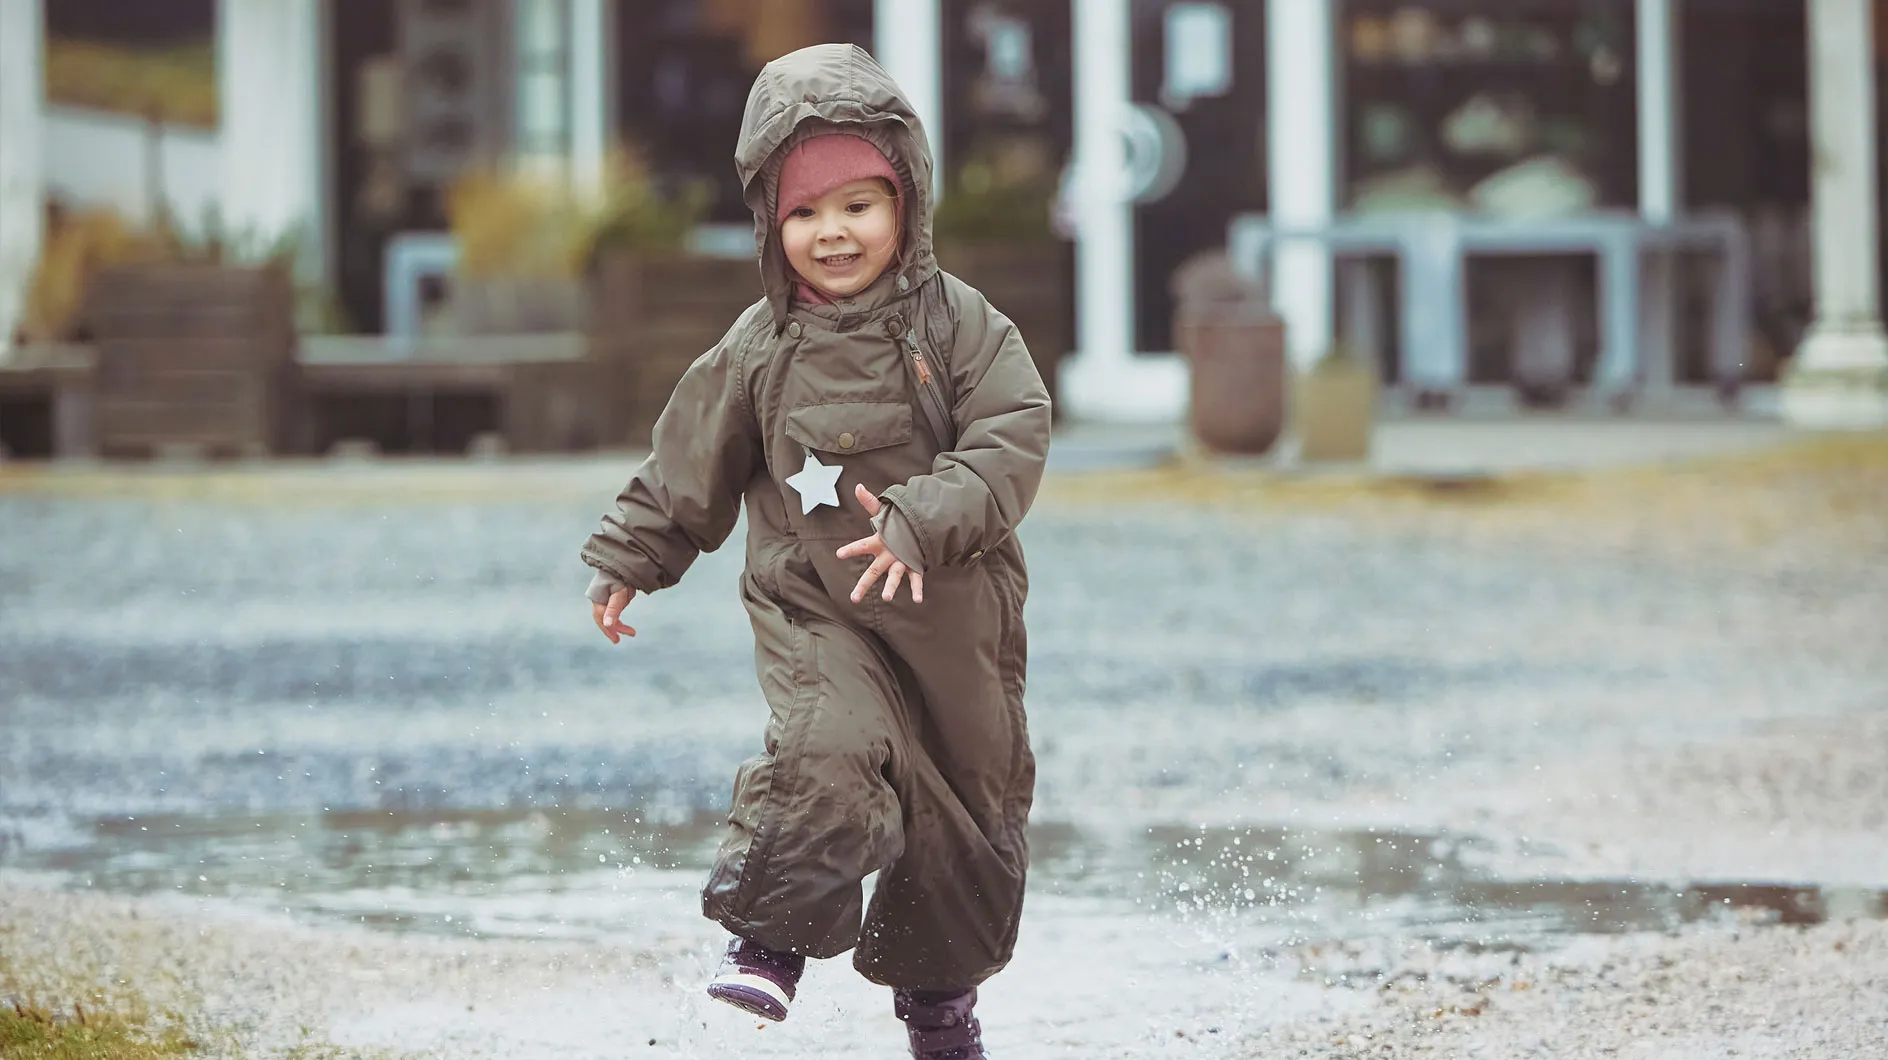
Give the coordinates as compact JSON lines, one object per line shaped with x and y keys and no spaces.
{"x":929,"y":385}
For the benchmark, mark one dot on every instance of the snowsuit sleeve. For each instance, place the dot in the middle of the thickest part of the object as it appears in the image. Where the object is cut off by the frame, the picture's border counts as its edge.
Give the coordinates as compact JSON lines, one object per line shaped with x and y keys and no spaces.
{"x":977,"y":493}
{"x":686,"y":497}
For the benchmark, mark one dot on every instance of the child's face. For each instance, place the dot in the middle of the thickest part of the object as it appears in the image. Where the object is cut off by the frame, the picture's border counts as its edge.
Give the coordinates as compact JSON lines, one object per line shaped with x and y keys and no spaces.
{"x":844,"y":240}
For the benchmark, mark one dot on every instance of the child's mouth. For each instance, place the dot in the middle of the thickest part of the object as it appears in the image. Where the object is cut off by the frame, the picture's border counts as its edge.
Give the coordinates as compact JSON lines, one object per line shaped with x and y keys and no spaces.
{"x":840,"y":261}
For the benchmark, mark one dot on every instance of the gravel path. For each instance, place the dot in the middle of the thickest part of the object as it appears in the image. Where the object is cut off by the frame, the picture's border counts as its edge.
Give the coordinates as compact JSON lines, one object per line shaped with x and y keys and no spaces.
{"x":1577,"y":693}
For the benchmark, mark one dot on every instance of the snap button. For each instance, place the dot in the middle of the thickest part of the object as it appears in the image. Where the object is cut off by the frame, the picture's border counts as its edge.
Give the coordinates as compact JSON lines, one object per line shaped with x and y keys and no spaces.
{"x":904,"y":283}
{"x":846,"y":439}
{"x":793,"y":329}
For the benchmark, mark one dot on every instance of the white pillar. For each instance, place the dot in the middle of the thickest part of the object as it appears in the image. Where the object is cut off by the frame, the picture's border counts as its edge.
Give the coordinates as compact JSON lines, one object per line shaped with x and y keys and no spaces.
{"x":1301,"y":159}
{"x":542,"y":92}
{"x":1104,"y":380}
{"x":1839,"y":376}
{"x":1301,"y":138}
{"x":907,"y":40}
{"x":592,"y":91}
{"x":22,"y":177}
{"x":269,"y":80}
{"x":1661,"y":178}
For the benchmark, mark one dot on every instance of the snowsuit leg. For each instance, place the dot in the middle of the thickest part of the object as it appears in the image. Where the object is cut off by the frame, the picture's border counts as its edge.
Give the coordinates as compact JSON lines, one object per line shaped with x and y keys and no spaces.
{"x":855,"y":779}
{"x":815,"y":813}
{"x":945,"y":915}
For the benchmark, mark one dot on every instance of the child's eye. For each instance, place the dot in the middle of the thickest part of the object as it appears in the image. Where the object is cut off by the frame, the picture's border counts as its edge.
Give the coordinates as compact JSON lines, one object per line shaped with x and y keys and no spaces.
{"x":859,"y":207}
{"x":802,"y":212}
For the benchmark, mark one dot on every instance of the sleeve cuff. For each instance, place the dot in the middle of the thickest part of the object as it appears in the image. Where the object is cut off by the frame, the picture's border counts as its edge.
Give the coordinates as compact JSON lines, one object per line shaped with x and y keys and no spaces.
{"x":601,"y":586}
{"x":898,"y":535}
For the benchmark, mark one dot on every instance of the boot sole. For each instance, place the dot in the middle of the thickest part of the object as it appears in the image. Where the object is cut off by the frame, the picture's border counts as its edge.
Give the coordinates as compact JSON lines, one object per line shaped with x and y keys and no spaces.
{"x":752,"y":994}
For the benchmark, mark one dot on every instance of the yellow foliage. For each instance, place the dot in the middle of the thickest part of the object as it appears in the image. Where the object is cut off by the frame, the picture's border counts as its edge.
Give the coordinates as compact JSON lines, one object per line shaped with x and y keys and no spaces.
{"x":77,"y":246}
{"x":517,"y":225}
{"x":526,"y":224}
{"x":175,"y":84}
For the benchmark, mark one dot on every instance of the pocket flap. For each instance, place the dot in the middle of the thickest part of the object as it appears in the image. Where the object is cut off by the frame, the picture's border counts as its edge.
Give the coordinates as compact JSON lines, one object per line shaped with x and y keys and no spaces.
{"x":847,"y":427}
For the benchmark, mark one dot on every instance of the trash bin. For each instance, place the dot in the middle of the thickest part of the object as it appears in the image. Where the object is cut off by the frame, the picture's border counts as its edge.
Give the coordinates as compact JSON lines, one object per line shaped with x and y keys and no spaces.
{"x":1236,"y":348}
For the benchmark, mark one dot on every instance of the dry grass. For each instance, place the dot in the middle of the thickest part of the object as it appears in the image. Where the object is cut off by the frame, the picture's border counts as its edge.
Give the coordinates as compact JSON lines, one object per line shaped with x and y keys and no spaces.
{"x":1827,"y":491}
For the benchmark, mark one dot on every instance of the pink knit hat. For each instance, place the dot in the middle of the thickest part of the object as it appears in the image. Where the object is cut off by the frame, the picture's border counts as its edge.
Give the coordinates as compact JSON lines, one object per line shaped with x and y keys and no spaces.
{"x":823,"y":163}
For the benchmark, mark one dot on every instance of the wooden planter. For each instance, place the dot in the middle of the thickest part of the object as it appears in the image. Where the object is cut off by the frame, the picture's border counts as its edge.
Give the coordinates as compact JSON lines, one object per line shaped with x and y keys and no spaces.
{"x":193,"y":357}
{"x":1031,"y":283}
{"x":651,"y":317}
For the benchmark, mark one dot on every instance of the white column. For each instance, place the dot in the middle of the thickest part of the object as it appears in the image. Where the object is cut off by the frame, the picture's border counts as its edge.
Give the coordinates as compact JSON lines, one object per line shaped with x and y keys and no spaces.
{"x":22,"y":145}
{"x":592,"y":90}
{"x":542,"y":92}
{"x":1661,"y":179}
{"x":268,"y":69}
{"x":907,"y":40}
{"x":1104,"y":380}
{"x":1839,"y":376}
{"x":1301,"y":137}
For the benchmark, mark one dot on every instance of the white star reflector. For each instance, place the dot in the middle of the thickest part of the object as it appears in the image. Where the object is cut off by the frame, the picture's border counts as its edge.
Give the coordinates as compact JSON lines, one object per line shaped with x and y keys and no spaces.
{"x":816,"y":484}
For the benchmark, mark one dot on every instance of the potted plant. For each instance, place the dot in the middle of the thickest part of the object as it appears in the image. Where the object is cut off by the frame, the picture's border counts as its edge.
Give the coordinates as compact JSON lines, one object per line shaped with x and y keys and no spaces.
{"x":194,"y":337}
{"x":656,"y":307}
{"x":538,"y":255}
{"x":993,"y":230}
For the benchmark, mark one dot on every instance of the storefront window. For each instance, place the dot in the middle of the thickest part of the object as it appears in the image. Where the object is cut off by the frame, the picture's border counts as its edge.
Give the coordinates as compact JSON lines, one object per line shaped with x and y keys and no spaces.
{"x":685,"y":67}
{"x":1513,"y":106}
{"x":1007,"y":70}
{"x":1199,"y":74}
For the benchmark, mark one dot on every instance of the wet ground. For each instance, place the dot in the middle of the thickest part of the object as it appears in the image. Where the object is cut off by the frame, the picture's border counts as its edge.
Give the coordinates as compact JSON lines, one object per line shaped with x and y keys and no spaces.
{"x":336,"y":700}
{"x":598,"y":876}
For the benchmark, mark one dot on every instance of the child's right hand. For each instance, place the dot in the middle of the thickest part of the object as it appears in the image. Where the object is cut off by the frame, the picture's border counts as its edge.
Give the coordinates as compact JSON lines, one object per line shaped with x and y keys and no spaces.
{"x":609,"y":617}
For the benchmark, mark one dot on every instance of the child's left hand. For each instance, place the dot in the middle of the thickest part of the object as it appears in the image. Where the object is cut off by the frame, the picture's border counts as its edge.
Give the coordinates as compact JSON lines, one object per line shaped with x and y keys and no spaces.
{"x":883,"y":562}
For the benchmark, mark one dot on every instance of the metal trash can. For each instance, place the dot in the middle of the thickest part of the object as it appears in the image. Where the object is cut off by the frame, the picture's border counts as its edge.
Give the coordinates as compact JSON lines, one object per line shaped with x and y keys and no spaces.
{"x":1235,"y":346}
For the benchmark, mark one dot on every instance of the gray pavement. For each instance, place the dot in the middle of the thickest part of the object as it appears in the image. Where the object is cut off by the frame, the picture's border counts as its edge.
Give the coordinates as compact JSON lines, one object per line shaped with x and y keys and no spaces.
{"x":293,"y":653}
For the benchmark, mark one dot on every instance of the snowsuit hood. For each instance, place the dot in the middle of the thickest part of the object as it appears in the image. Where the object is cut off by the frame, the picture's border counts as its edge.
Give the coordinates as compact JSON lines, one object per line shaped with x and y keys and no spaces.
{"x":816,"y":91}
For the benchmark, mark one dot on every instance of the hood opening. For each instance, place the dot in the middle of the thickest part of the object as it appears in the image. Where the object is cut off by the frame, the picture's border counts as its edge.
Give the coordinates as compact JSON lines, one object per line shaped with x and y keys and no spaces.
{"x":812,"y":92}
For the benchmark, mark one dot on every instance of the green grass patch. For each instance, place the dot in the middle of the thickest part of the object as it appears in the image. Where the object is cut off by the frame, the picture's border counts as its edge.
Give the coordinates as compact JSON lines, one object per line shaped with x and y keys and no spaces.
{"x":79,"y":1033}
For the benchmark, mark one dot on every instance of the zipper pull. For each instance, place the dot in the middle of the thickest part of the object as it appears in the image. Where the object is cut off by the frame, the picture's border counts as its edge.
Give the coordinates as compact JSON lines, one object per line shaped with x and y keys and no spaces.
{"x":917,"y":356}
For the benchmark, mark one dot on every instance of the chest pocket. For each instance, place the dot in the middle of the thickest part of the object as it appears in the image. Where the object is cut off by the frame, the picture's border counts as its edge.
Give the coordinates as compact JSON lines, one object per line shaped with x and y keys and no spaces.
{"x":847,"y":428}
{"x":870,"y":441}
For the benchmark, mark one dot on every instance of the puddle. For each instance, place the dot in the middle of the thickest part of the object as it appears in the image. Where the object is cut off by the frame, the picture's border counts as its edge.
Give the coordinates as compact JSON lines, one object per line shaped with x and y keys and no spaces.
{"x":602,"y":875}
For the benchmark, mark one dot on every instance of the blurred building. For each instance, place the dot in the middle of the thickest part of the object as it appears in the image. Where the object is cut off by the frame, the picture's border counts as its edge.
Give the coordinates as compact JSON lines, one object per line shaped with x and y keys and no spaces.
{"x":1164,"y":120}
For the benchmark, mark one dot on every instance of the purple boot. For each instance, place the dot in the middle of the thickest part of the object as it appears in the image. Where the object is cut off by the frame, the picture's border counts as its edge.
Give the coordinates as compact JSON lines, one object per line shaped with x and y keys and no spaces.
{"x":756,"y":979}
{"x":940,"y":1024}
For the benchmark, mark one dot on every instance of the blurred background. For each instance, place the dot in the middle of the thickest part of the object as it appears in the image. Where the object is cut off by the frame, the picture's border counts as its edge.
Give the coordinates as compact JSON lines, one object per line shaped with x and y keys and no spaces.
{"x":426,"y":224}
{"x":1449,"y":570}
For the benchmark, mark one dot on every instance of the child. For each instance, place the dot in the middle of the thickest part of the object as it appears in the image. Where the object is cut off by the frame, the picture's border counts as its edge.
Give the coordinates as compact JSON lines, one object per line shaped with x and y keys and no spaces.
{"x":896,"y":742}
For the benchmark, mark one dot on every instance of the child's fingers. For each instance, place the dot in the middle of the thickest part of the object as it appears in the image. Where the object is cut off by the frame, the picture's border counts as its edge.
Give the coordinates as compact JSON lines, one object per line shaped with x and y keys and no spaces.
{"x":869,"y":502}
{"x":865,"y":546}
{"x":893,"y":580}
{"x":613,"y":615}
{"x":917,"y":587}
{"x":871,"y":574}
{"x":602,"y":626}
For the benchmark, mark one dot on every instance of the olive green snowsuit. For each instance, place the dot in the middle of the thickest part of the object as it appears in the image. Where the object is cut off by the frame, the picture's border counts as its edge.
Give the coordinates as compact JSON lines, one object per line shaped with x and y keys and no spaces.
{"x":897,"y":742}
